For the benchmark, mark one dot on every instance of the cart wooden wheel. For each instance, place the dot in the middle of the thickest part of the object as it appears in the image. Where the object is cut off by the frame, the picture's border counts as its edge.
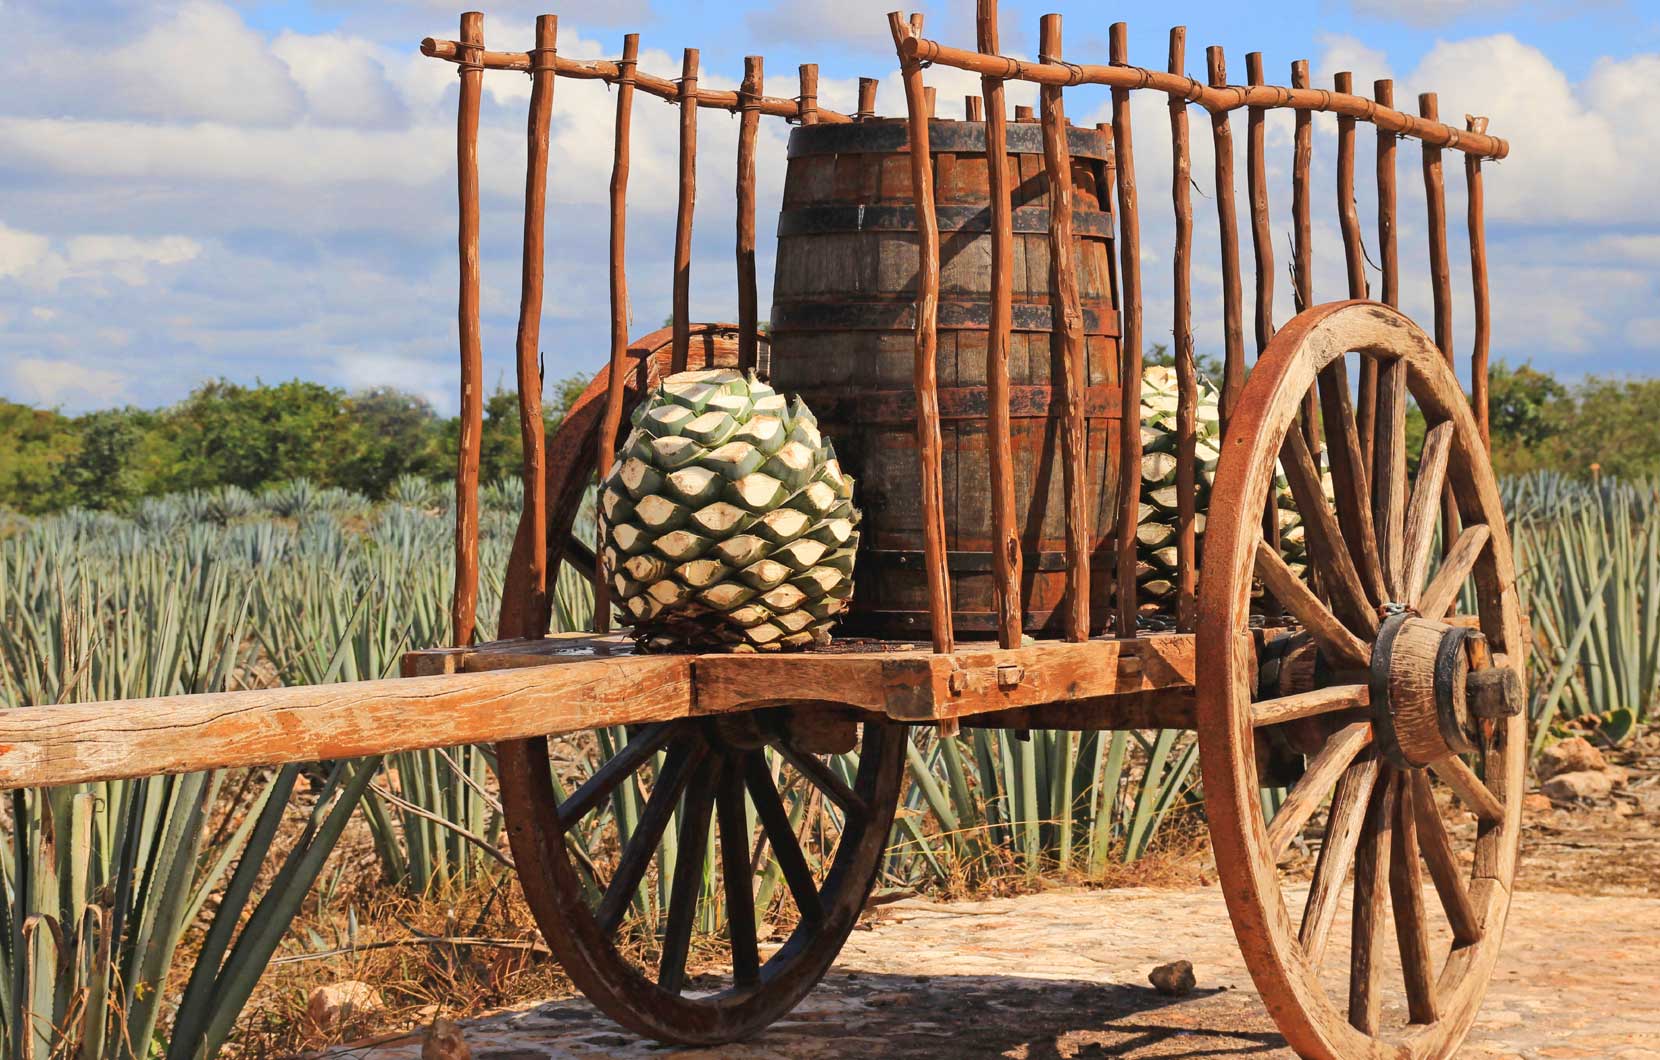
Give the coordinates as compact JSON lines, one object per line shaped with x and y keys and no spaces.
{"x":708,"y":767}
{"x":694,"y":779}
{"x":1377,"y":686}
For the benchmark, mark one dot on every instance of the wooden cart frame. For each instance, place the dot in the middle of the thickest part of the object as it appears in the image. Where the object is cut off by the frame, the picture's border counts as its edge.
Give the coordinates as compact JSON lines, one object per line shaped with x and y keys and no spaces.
{"x":1363,"y":674}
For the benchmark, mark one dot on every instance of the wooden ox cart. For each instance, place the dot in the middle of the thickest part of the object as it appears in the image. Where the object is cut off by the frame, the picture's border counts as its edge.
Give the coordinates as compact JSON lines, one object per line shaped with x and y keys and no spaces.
{"x":962,"y":301}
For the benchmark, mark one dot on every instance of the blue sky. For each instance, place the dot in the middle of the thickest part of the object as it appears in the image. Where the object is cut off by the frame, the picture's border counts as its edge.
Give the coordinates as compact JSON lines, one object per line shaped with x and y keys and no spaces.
{"x":266,"y":190}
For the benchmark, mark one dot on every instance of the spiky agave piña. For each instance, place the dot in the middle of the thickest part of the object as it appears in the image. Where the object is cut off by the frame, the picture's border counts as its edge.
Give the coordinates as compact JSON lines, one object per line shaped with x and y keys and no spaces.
{"x":729,"y":522}
{"x":1159,"y":519}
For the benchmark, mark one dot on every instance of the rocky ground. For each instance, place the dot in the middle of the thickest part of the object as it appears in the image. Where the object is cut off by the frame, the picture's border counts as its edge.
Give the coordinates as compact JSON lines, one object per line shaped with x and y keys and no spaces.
{"x":1064,"y":973}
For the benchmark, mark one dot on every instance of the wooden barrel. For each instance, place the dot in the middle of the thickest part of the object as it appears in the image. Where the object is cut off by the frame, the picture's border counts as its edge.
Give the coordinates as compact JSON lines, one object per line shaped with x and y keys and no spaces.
{"x":841,"y":329}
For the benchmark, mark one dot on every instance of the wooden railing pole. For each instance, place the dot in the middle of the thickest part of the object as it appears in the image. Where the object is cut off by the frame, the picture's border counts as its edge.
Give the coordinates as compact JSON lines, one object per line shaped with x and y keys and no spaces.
{"x":1476,"y":200}
{"x":1435,"y":201}
{"x":750,"y":123}
{"x":607,"y":440}
{"x":1388,"y":244}
{"x":1262,"y":249}
{"x":1227,"y":217}
{"x":1129,"y":375}
{"x":809,"y":93}
{"x":1007,"y":561}
{"x":929,"y":445}
{"x":1302,"y":246}
{"x":972,"y":110}
{"x":1187,"y":377}
{"x":533,"y":521}
{"x":867,"y":99}
{"x":1386,"y":461}
{"x":683,"y":216}
{"x":464,"y":601}
{"x":1354,"y":260}
{"x":1068,"y":317}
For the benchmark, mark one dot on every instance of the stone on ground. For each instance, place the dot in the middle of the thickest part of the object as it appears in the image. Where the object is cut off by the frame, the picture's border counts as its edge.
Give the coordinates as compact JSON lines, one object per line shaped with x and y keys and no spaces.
{"x":1174,"y":979}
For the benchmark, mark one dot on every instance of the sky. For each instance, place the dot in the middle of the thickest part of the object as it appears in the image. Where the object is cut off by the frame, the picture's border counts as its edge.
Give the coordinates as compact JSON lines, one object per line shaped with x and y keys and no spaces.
{"x":266,"y":190}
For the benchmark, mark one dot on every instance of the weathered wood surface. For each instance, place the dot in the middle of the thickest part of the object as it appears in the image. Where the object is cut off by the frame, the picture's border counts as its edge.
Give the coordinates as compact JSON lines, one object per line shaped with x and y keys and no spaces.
{"x":566,"y":683}
{"x":464,"y":600}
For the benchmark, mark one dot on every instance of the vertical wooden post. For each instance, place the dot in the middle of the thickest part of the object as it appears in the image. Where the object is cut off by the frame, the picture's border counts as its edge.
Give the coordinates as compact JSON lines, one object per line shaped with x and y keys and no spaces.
{"x":1302,"y":247}
{"x":1024,"y":114}
{"x":1129,"y":375}
{"x":867,"y":99}
{"x":683,"y":217}
{"x":618,"y":377}
{"x":929,"y":445}
{"x":1474,"y":215}
{"x":807,"y":104}
{"x":931,"y":99}
{"x":972,"y":110}
{"x":1187,"y":379}
{"x":749,"y":103}
{"x":1388,"y":471}
{"x":1262,"y":248}
{"x":1227,"y":216}
{"x":1389,"y":253}
{"x":464,"y":601}
{"x":533,"y":521}
{"x":1068,"y":332}
{"x":1354,"y":259}
{"x":1007,"y":561}
{"x":1435,"y":202}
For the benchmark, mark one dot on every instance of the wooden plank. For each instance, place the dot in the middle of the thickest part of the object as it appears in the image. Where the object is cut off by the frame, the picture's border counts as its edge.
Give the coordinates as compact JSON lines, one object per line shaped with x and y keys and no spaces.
{"x":1007,"y":556}
{"x":1129,"y":425}
{"x":464,"y":600}
{"x":50,"y":745}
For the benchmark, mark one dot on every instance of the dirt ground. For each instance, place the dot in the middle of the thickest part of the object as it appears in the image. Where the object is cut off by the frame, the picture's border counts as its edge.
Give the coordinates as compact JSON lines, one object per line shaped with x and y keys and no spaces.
{"x":1063,"y":973}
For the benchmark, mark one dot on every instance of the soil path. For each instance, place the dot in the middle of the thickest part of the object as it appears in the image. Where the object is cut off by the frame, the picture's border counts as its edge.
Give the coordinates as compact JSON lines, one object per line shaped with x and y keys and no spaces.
{"x":1064,"y":974}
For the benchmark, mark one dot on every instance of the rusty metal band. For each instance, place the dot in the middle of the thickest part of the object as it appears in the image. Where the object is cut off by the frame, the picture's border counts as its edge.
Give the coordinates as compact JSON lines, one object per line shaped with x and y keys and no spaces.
{"x":901,"y":316}
{"x":1028,"y":220}
{"x":956,"y":403}
{"x":944,"y":137}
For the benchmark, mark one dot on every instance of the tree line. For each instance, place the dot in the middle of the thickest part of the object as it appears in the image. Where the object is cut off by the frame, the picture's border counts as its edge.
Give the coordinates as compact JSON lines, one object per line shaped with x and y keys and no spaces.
{"x":253,"y":436}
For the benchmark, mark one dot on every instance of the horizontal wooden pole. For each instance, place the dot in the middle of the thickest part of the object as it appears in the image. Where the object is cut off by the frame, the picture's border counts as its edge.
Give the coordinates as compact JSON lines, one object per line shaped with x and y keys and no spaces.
{"x":1216,"y":99}
{"x":568,"y":683}
{"x":609,"y":70}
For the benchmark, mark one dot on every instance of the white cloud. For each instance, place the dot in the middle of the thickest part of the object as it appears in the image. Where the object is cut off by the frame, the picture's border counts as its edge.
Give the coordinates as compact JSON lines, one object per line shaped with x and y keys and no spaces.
{"x":343,"y":79}
{"x":20,"y":251}
{"x":53,"y":382}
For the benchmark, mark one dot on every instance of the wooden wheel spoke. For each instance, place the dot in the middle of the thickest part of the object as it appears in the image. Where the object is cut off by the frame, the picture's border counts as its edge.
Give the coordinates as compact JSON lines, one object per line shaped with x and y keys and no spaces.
{"x":1470,"y":789}
{"x":690,"y":850}
{"x":614,"y":771}
{"x":785,"y":847}
{"x":1349,"y":477}
{"x":824,"y":779}
{"x":735,"y":869}
{"x":1406,"y":891}
{"x":1323,"y":771}
{"x":1340,"y":646}
{"x":1389,"y":472}
{"x":654,"y":819}
{"x":1442,"y":592}
{"x":1443,"y":864}
{"x":1328,"y":554}
{"x":1337,"y":852}
{"x":1371,"y":897}
{"x":1424,"y":512}
{"x":1310,"y":704}
{"x":578,"y":554}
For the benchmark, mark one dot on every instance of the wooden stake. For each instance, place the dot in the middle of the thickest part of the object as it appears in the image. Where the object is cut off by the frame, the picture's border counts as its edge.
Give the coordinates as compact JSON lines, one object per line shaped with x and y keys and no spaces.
{"x":1476,"y":198}
{"x":683,"y":214}
{"x":1069,"y":334}
{"x":1007,"y":561}
{"x":1388,"y":245}
{"x":1354,"y":259}
{"x":867,"y":99}
{"x":607,"y":440}
{"x":464,"y":602}
{"x":1302,"y":248}
{"x":1129,"y":446}
{"x":1227,"y":216}
{"x":1262,"y":247}
{"x":929,"y":445}
{"x":972,"y":110}
{"x":748,"y":126}
{"x":809,"y":93}
{"x":1435,"y":200}
{"x":1187,"y":378}
{"x":533,"y":520}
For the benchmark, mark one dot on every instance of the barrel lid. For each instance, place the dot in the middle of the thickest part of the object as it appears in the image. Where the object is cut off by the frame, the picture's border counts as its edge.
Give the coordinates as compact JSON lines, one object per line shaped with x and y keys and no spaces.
{"x":892,"y":135}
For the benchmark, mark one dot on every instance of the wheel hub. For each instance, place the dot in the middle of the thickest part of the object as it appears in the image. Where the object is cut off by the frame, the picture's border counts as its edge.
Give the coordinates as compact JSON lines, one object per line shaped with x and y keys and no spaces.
{"x":1420,"y":707}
